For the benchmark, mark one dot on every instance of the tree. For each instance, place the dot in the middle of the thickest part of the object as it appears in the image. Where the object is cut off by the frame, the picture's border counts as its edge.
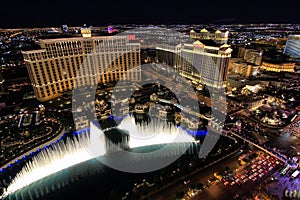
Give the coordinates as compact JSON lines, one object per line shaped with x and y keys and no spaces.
{"x":199,"y":186}
{"x":180,"y":194}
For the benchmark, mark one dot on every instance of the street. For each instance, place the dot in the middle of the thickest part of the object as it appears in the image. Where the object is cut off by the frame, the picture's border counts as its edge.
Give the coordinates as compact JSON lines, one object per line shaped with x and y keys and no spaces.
{"x":201,"y":177}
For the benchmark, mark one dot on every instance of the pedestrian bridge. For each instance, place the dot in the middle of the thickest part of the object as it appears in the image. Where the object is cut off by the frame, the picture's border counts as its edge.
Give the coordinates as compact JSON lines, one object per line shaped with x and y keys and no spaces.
{"x":185,"y":109}
{"x":256,"y":145}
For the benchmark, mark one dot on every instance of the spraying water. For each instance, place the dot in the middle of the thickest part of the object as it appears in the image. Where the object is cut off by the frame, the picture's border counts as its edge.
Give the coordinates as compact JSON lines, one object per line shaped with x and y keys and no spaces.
{"x":93,"y":144}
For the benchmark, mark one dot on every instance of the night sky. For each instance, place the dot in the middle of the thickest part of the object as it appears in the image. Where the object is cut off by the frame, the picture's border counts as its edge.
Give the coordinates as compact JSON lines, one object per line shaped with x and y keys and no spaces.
{"x":22,"y":13}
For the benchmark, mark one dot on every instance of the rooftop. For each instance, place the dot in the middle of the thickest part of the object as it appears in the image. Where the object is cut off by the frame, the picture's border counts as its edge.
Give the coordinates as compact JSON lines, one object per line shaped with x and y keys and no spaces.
{"x":210,"y":43}
{"x":81,"y":38}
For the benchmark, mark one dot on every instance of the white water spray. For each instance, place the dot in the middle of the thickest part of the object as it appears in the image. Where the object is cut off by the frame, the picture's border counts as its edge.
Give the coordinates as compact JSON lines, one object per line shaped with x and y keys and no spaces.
{"x":64,"y":154}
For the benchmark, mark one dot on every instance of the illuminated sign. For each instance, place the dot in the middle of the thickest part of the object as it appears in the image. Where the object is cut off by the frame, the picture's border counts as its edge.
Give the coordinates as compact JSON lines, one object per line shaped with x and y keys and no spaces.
{"x":131,"y":37}
{"x":110,"y":29}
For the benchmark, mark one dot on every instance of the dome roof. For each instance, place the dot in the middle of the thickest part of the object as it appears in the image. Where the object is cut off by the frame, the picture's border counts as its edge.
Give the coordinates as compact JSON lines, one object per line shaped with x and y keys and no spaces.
{"x":198,"y":43}
{"x":204,"y":31}
{"x":218,"y":31}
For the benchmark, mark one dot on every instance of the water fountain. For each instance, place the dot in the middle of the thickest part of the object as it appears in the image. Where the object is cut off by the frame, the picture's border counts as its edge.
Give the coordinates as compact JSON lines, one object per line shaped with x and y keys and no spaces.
{"x":156,"y":132}
{"x":93,"y":144}
{"x":59,"y":156}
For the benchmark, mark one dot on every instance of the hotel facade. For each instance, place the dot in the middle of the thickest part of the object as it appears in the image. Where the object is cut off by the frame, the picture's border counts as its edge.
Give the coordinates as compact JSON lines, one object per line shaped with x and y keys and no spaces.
{"x":64,"y":63}
{"x":206,"y":65}
{"x":278,"y":67}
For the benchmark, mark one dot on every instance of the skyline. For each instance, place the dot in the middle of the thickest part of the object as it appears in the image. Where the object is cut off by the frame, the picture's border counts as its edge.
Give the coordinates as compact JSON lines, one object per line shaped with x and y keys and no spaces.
{"x":35,"y":14}
{"x":149,"y":100}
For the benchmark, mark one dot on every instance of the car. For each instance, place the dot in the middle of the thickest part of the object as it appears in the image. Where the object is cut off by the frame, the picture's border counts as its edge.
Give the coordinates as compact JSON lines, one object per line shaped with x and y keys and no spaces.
{"x":254,"y":170}
{"x":238,"y":181}
{"x":271,"y":164}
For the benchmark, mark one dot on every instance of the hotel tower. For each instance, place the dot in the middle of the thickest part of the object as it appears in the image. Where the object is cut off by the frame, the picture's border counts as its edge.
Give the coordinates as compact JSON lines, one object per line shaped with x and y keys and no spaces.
{"x":200,"y":63}
{"x":54,"y":68}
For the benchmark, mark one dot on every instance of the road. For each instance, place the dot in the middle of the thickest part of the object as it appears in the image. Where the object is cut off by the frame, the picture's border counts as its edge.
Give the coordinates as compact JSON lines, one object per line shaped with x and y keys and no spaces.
{"x":256,"y":145}
{"x":216,"y":191}
{"x":220,"y":192}
{"x":201,"y":177}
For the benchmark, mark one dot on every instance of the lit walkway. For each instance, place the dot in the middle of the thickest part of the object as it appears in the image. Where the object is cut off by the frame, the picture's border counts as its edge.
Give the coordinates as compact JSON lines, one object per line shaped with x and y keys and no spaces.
{"x":34,"y":149}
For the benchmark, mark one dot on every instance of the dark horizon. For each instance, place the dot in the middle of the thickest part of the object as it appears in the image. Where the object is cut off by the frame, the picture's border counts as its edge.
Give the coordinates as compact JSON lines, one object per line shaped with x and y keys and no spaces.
{"x":24,"y":14}
{"x":51,"y":25}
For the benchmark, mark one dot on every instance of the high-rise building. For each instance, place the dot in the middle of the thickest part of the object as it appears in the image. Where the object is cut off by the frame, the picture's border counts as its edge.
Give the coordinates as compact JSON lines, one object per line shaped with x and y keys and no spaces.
{"x":197,"y":62}
{"x":54,"y":68}
{"x":292,"y":47}
{"x":241,"y":52}
{"x":251,"y":56}
{"x":239,"y":66}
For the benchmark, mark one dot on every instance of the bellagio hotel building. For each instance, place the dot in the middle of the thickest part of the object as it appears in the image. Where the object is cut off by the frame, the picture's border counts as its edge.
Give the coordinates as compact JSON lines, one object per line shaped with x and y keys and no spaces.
{"x":55,"y":67}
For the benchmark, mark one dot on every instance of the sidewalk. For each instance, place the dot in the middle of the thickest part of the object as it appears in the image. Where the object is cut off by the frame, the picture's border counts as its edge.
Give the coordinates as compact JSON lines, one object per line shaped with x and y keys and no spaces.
{"x":34,"y":149}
